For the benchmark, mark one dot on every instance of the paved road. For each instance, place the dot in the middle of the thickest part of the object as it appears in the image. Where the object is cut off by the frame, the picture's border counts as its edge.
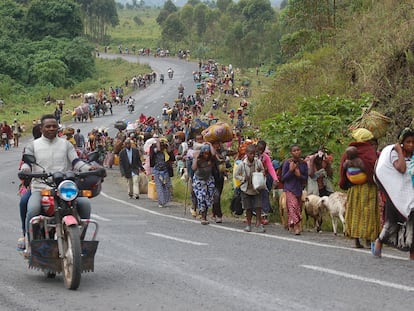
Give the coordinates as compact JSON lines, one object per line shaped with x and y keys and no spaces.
{"x":151,"y":258}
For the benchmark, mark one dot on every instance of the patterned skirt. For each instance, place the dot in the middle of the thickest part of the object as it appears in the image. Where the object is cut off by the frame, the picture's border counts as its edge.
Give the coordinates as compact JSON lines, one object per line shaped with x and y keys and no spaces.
{"x":294,"y":208}
{"x":362,"y":212}
{"x":163,"y":185}
{"x":204,"y":192}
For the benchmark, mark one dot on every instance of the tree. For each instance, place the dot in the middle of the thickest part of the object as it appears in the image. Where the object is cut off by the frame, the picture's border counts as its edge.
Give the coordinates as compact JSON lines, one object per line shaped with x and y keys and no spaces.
{"x":56,"y":18}
{"x":200,"y":12}
{"x":169,"y":7}
{"x":52,"y":71}
{"x":11,"y":19}
{"x":187,"y":18}
{"x":311,"y":14}
{"x":222,"y":5}
{"x":77,"y":57}
{"x":173,"y":30}
{"x":97,"y":16}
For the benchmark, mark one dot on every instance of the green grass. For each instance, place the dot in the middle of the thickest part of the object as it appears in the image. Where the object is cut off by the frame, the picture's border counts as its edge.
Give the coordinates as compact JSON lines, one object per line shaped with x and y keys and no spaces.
{"x":128,"y":33}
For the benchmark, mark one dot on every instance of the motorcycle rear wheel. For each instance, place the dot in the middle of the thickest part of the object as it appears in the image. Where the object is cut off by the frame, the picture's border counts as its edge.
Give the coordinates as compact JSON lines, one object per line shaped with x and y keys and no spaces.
{"x":71,"y":262}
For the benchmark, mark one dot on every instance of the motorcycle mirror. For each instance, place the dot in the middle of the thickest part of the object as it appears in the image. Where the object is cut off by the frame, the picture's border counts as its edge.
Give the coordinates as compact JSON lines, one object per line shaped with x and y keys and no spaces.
{"x":29,"y":158}
{"x":93,"y":156}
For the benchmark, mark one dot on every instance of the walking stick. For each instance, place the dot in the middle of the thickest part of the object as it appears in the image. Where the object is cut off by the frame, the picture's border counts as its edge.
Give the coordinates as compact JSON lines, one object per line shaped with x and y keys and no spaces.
{"x":185,"y":196}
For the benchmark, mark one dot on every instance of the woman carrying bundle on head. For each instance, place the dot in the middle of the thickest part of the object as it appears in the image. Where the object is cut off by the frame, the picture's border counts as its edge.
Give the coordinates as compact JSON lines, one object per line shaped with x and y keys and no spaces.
{"x":394,"y":174}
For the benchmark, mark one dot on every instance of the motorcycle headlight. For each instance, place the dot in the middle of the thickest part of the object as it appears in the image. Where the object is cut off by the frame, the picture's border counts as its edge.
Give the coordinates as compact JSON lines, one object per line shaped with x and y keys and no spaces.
{"x":67,"y":190}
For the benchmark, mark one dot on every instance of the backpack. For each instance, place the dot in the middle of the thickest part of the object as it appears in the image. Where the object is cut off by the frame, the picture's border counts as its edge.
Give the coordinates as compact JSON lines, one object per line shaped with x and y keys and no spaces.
{"x":236,"y":204}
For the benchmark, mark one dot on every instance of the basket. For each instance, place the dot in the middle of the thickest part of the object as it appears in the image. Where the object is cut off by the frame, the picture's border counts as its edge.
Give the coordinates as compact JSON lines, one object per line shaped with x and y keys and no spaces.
{"x":373,"y":121}
{"x":120,"y":125}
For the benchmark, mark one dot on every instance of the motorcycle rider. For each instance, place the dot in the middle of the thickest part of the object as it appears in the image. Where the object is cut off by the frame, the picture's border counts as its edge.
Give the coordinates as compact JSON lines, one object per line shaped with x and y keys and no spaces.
{"x":180,"y":91}
{"x":52,"y":154}
{"x":170,"y":73}
{"x":130,"y":104}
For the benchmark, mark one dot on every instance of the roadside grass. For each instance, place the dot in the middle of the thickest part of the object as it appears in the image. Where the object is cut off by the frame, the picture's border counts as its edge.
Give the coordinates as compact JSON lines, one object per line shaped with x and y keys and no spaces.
{"x":129,"y":33}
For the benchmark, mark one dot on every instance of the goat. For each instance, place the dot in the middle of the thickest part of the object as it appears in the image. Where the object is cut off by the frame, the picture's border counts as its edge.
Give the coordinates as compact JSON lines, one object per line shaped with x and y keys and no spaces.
{"x":283,"y":210}
{"x":335,"y":204}
{"x":314,"y":209}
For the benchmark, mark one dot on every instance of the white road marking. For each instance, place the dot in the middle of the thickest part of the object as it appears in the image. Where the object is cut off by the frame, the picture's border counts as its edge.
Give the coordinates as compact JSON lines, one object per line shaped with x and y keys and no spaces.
{"x":97,"y":217}
{"x":176,"y":239}
{"x":360,"y":278}
{"x":264,"y":235}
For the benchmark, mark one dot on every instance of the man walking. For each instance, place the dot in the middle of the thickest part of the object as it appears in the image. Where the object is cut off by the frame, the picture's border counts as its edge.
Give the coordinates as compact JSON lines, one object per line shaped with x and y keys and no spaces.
{"x":130,"y":166}
{"x":79,"y":139}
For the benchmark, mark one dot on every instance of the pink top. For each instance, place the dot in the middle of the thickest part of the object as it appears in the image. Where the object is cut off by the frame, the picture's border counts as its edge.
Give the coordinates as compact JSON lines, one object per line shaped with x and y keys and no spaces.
{"x":267,"y":163}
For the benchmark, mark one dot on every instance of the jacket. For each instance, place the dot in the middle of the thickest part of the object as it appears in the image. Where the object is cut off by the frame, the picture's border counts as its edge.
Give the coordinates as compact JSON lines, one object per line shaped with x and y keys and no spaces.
{"x":127,"y":168}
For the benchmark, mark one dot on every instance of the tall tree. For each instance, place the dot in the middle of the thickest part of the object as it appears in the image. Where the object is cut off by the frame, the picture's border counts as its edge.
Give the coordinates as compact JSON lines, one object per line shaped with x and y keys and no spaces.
{"x":174,"y":30}
{"x":98,"y":15}
{"x":57,"y":18}
{"x":222,"y":5}
{"x":168,"y":8}
{"x":11,"y":19}
{"x":200,"y":12}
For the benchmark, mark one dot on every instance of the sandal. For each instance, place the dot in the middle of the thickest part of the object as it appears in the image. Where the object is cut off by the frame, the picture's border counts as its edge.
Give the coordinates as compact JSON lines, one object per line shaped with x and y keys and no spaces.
{"x":21,"y":244}
{"x":358,"y":244}
{"x":376,"y":248}
{"x":204,"y":222}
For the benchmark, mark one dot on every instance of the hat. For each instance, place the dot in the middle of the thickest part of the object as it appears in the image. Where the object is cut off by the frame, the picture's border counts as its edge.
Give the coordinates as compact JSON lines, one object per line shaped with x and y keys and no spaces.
{"x":164,"y":140}
{"x":362,"y":135}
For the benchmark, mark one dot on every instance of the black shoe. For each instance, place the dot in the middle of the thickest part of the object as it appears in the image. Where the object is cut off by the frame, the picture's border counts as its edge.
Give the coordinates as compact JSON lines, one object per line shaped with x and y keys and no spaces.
{"x":137,"y":197}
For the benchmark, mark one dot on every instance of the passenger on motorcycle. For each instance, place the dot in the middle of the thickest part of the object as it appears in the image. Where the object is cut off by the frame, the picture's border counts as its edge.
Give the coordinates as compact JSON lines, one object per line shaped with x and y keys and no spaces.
{"x":170,"y":73}
{"x":180,"y":91}
{"x":131,"y":104}
{"x":52,"y":154}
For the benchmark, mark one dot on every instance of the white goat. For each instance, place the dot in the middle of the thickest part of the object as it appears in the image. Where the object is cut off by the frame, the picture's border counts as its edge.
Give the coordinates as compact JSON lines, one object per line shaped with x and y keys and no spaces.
{"x":314,"y":209}
{"x":336,"y":206}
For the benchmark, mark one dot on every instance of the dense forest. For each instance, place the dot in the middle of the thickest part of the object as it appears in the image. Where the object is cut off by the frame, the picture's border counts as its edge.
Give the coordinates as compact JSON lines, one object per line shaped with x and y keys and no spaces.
{"x":47,"y":43}
{"x":335,"y":56}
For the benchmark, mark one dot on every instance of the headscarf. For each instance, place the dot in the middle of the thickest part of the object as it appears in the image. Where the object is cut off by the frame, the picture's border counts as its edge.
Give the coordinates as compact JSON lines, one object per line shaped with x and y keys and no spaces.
{"x":362,"y":135}
{"x":205,"y":148}
{"x":165,"y":151}
{"x":405,"y":133}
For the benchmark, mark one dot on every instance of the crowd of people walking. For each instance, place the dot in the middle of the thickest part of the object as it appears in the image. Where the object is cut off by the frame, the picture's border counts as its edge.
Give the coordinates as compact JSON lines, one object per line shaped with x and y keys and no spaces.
{"x":177,"y":145}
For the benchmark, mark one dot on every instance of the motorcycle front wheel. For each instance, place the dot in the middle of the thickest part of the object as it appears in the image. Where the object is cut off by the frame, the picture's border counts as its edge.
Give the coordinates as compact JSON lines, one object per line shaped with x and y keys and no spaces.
{"x":71,"y":262}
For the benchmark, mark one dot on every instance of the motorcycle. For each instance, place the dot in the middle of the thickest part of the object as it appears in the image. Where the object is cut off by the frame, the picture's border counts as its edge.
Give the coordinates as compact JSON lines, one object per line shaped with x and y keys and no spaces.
{"x":170,"y":73}
{"x":60,"y":241}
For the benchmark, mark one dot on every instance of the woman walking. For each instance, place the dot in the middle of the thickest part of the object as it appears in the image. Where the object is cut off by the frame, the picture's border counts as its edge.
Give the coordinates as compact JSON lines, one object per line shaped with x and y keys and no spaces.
{"x":394,"y":173}
{"x":160,"y":161}
{"x":203,"y":180}
{"x":362,"y":212}
{"x":294,"y":177}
